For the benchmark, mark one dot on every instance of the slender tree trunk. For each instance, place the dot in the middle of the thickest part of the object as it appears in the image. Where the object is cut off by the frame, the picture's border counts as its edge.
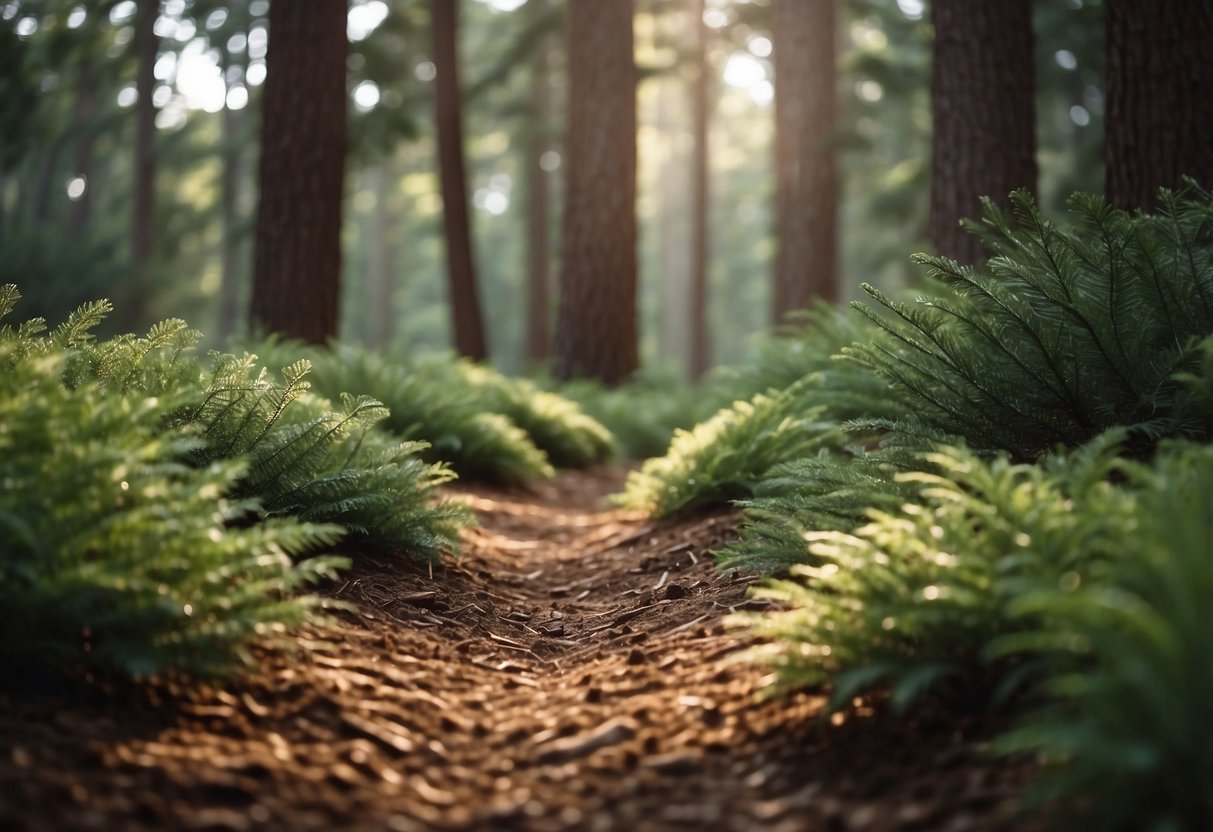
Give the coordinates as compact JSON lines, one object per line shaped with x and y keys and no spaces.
{"x":229,"y":199}
{"x":381,"y":276}
{"x":82,"y":162}
{"x":46,"y":175}
{"x":130,"y":312}
{"x":806,"y":119}
{"x":539,"y":303}
{"x":297,"y":266}
{"x":673,"y":213}
{"x":983,"y":109}
{"x":596,"y":322}
{"x":1160,"y":98}
{"x":461,"y":269}
{"x":701,"y":357}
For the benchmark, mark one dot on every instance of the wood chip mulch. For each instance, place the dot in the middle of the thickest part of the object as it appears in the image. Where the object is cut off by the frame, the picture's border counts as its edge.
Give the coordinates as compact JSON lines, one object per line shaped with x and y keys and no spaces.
{"x":571,"y":670}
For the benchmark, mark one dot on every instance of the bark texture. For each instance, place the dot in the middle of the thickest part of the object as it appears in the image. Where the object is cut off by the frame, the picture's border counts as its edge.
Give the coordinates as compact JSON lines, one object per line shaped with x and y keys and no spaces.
{"x":701,"y":350}
{"x":467,"y":322}
{"x":297,"y":266}
{"x":983,"y":112}
{"x":538,"y":218}
{"x":1160,"y":98}
{"x":806,"y":119}
{"x":596,"y":322}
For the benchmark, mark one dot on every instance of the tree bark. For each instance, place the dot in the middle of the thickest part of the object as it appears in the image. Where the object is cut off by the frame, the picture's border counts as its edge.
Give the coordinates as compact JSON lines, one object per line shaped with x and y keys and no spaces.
{"x":539,"y":303}
{"x":596,"y":321}
{"x":461,"y":269}
{"x":297,"y":265}
{"x":806,"y":120}
{"x":983,"y":111}
{"x":700,"y":346}
{"x":381,"y":273}
{"x":1159,"y":119}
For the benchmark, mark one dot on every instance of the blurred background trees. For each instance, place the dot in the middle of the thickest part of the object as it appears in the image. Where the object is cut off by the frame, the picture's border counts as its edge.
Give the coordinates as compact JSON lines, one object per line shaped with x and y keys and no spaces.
{"x":93,"y":204}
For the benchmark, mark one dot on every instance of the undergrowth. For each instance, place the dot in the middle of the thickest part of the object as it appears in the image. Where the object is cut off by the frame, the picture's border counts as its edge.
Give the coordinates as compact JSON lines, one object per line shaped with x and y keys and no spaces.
{"x":156,"y":512}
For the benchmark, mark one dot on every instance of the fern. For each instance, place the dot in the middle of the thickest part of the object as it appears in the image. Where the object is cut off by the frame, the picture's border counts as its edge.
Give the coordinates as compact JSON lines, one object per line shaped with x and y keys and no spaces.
{"x":1068,"y":331}
{"x":918,"y":595}
{"x":1126,"y":665}
{"x":724,"y":457}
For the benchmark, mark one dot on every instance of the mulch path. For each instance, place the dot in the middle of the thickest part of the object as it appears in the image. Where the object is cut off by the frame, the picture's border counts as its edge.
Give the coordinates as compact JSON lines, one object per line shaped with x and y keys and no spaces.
{"x":571,"y":670}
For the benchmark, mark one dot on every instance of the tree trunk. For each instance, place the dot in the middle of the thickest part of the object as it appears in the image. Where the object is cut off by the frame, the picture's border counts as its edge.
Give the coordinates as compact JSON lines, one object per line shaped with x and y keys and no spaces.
{"x":673,"y":232}
{"x":806,"y":119}
{"x":461,"y":269}
{"x":130,"y":312}
{"x":539,"y":303}
{"x":596,"y":322}
{"x":229,"y":274}
{"x":380,"y":273}
{"x":700,"y":347}
{"x":983,"y":111}
{"x":82,"y":162}
{"x":1159,"y":121}
{"x":297,"y":266}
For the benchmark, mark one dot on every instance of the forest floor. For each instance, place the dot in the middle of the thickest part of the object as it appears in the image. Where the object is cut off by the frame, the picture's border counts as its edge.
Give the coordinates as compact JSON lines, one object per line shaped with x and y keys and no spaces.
{"x":571,"y":670}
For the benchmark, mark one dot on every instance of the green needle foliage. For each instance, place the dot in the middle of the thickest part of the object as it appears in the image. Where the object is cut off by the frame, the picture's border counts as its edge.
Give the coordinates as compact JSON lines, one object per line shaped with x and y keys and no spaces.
{"x":724,"y":457}
{"x":643,"y":413}
{"x":120,"y":556}
{"x":557,"y":425}
{"x":1064,"y":333}
{"x":1129,"y":660}
{"x":917,"y":595}
{"x":153,"y":511}
{"x":446,"y":414}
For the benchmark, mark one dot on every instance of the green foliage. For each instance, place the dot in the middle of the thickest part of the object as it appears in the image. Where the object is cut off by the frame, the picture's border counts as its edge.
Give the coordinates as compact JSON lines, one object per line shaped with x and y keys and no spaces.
{"x":726,"y":456}
{"x":830,"y":491}
{"x":437,"y":408}
{"x":643,"y":413}
{"x":1063,"y":334}
{"x":120,"y":554}
{"x":918,"y":595}
{"x":556,"y":424}
{"x":1129,"y":664}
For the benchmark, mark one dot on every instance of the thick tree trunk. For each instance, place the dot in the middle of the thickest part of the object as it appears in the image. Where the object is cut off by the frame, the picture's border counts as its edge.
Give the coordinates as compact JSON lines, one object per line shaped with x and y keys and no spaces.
{"x":539,"y":303}
{"x":700,"y":347}
{"x":983,"y":110}
{"x":806,"y":119}
{"x":1160,"y":98}
{"x":596,"y":322}
{"x":297,"y":266}
{"x":461,"y":269}
{"x":82,"y":161}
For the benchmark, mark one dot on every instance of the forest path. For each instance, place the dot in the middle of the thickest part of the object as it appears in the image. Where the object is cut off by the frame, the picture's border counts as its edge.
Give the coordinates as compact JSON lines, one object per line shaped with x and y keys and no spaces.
{"x":571,"y":670}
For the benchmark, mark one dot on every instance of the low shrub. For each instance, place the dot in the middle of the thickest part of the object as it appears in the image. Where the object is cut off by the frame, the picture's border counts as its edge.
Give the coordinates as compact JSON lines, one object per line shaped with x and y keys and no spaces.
{"x":1127,"y":664}
{"x":724,"y":457}
{"x":1066,"y":331}
{"x":920,"y":594}
{"x":155,"y":515}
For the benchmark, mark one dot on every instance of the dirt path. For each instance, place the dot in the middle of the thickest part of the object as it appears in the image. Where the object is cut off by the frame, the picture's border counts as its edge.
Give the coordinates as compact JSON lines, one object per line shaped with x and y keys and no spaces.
{"x":570,"y":671}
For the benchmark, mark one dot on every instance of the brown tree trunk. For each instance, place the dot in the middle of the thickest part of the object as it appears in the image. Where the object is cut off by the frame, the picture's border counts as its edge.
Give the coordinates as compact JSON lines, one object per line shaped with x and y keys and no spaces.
{"x":701,"y":357}
{"x":461,"y":269}
{"x":380,"y":273}
{"x":229,"y":274}
{"x":1159,"y":120}
{"x":130,"y":311}
{"x":82,"y":162}
{"x":539,"y":303}
{"x":806,"y":119}
{"x":297,"y":265}
{"x":596,"y":321}
{"x":983,"y":111}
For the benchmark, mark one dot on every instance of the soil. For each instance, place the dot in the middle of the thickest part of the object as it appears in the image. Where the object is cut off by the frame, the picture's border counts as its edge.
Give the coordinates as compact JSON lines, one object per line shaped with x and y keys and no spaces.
{"x":571,"y":670}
